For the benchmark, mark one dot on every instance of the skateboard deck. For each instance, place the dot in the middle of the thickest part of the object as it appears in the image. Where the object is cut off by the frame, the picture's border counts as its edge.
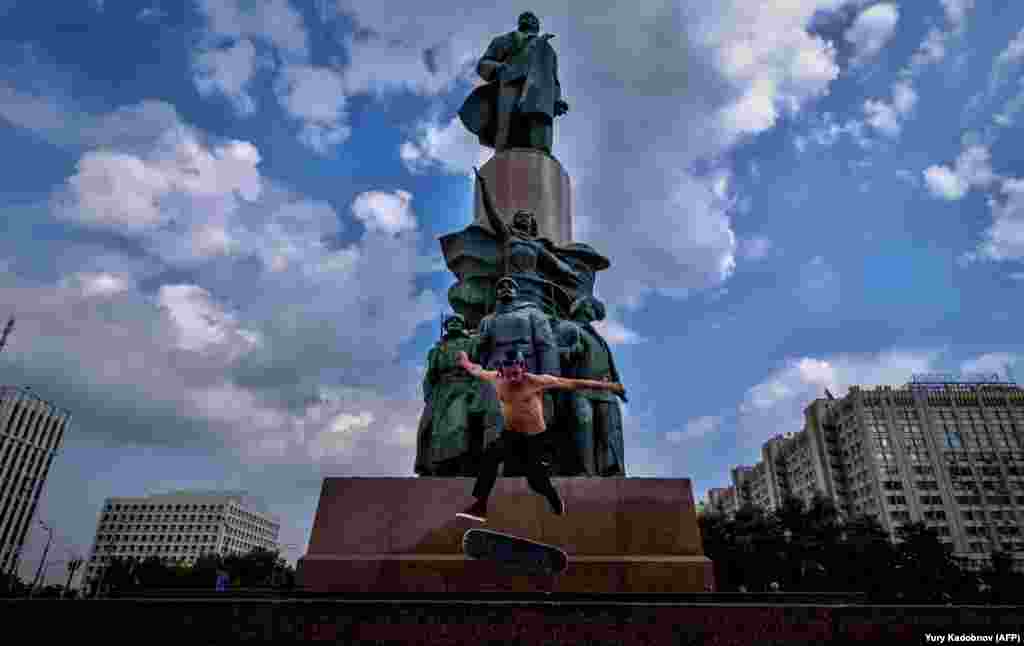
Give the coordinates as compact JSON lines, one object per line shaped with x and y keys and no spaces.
{"x":514,"y":554}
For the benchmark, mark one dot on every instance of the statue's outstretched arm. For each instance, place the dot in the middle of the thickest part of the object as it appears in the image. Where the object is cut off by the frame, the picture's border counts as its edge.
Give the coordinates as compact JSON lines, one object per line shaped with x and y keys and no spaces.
{"x":558,"y":265}
{"x":493,"y":217}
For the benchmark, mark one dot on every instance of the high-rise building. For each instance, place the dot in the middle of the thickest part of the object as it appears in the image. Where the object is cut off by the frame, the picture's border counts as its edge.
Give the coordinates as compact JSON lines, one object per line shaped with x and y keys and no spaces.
{"x":722,"y":500}
{"x":948,"y":454}
{"x":31,"y":431}
{"x":179,"y":527}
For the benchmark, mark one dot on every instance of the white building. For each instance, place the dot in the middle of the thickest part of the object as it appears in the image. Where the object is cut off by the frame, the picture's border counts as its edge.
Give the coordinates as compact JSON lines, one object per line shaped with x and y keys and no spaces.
{"x":31,"y":431}
{"x":950,"y":455}
{"x":179,"y":527}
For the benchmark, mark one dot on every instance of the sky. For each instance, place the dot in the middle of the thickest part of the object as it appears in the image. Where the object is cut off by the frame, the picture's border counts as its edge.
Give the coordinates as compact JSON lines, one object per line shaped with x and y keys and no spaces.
{"x":219,"y":223}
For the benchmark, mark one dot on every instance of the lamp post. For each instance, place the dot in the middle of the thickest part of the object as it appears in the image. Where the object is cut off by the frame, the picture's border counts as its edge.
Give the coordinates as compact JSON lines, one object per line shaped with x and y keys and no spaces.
{"x":73,"y":566}
{"x":39,"y":572}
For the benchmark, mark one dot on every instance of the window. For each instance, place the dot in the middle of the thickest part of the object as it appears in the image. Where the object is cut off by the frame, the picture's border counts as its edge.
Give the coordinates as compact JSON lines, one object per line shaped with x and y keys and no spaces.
{"x":896,"y":500}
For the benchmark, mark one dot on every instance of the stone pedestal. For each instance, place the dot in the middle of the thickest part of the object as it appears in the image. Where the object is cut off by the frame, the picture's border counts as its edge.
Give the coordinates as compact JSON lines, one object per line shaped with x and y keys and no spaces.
{"x":400,"y":535}
{"x":526,"y":179}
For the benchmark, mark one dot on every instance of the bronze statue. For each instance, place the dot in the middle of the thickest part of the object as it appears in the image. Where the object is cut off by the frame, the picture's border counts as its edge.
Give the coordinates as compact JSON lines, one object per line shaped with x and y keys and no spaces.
{"x":595,"y":415}
{"x":520,"y":325}
{"x":449,"y":433}
{"x":532,"y":262}
{"x":518,"y":105}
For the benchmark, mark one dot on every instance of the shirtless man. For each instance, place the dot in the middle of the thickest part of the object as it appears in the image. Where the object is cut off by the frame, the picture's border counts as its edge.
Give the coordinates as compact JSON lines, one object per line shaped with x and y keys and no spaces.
{"x":522,"y":406}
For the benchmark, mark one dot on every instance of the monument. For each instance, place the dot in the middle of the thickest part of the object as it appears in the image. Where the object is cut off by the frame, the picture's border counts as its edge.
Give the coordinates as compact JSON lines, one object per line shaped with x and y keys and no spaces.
{"x":520,"y":282}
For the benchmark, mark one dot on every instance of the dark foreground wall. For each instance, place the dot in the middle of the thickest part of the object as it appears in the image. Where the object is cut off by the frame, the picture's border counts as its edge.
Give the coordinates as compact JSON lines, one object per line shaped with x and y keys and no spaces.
{"x":444,"y":622}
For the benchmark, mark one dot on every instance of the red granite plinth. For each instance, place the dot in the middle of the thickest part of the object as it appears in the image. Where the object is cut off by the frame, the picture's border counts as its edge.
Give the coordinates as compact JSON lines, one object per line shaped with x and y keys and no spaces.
{"x":394,"y":535}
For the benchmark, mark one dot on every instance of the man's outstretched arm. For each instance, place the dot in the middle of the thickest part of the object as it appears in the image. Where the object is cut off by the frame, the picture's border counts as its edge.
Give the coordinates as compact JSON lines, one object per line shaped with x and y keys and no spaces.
{"x":475,"y":369}
{"x":547,"y":382}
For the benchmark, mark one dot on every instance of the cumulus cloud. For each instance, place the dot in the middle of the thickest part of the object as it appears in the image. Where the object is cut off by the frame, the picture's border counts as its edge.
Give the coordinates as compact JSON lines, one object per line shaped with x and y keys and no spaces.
{"x":871,"y":30}
{"x":888,"y":117}
{"x":616,"y":333}
{"x":1004,"y":240}
{"x":450,"y":147}
{"x":222,"y":359}
{"x":179,"y":184}
{"x":386,"y":212}
{"x":956,"y":12}
{"x":316,"y":97}
{"x":695,"y":429}
{"x":274,"y":22}
{"x":973,"y":168}
{"x":228,"y":71}
{"x":100,"y":285}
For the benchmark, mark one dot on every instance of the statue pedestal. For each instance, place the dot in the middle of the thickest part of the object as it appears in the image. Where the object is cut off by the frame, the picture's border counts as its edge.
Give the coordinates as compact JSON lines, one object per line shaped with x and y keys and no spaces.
{"x":530,"y":180}
{"x":400,"y":535}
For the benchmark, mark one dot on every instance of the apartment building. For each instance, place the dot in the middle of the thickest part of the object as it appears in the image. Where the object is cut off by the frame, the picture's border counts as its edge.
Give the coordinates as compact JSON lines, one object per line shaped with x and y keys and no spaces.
{"x":31,"y":432}
{"x":722,"y":500}
{"x":179,"y":527}
{"x":948,"y":454}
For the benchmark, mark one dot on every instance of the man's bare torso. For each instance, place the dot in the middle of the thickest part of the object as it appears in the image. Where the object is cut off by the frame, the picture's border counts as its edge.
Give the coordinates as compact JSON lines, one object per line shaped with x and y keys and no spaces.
{"x":522,"y":405}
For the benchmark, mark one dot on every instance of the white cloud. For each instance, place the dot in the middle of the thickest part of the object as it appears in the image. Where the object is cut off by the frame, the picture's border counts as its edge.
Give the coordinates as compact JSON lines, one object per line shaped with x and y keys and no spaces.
{"x":956,"y":11}
{"x":387,"y":212}
{"x":1005,"y":238}
{"x":99,"y":284}
{"x":696,"y":428}
{"x":177,"y":185}
{"x":274,"y":22}
{"x":228,"y":71}
{"x":616,"y":333}
{"x":944,"y":183}
{"x":200,"y":321}
{"x":973,"y":168}
{"x":871,"y":30}
{"x":932,"y":49}
{"x":316,"y":97}
{"x":755,"y":248}
{"x":450,"y":147}
{"x":888,"y":117}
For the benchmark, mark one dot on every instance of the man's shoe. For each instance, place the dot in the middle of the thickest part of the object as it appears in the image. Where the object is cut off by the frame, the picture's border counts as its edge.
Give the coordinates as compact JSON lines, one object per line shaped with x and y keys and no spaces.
{"x":477,"y":511}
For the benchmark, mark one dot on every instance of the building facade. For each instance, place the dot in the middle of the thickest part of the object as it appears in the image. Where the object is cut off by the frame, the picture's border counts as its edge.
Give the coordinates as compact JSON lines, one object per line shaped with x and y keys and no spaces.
{"x":722,"y":500}
{"x":179,"y":527}
{"x":949,"y":455}
{"x":31,"y":432}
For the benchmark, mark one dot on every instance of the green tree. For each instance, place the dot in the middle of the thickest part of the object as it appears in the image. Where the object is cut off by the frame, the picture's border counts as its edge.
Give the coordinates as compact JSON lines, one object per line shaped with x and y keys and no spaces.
{"x":925,"y":569}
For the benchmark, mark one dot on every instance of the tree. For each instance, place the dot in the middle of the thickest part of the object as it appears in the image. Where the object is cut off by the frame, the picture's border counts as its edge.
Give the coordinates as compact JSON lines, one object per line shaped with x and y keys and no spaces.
{"x":925,"y":569}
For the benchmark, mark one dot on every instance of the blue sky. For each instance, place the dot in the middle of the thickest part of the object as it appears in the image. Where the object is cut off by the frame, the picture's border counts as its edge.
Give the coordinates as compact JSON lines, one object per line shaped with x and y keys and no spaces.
{"x":213,"y":210}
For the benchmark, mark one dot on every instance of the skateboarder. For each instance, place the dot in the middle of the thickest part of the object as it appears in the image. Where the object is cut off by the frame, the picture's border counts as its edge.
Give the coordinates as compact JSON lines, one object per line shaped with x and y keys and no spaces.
{"x":522,"y":406}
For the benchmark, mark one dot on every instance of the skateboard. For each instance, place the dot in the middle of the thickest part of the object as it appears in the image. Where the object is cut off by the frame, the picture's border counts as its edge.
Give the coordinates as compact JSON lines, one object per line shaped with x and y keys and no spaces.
{"x":514,"y":554}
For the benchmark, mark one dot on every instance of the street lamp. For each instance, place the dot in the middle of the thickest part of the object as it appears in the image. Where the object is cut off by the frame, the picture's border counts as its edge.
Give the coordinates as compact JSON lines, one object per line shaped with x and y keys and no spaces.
{"x":73,"y":566}
{"x":39,"y":572}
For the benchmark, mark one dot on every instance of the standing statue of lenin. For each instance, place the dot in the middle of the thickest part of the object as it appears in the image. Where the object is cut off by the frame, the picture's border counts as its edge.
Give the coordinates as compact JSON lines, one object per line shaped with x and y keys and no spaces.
{"x":518,"y":105}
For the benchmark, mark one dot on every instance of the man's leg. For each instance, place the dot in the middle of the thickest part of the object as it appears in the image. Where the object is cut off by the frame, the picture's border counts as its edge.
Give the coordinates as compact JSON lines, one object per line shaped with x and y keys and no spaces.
{"x":493,"y":456}
{"x":538,"y":474}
